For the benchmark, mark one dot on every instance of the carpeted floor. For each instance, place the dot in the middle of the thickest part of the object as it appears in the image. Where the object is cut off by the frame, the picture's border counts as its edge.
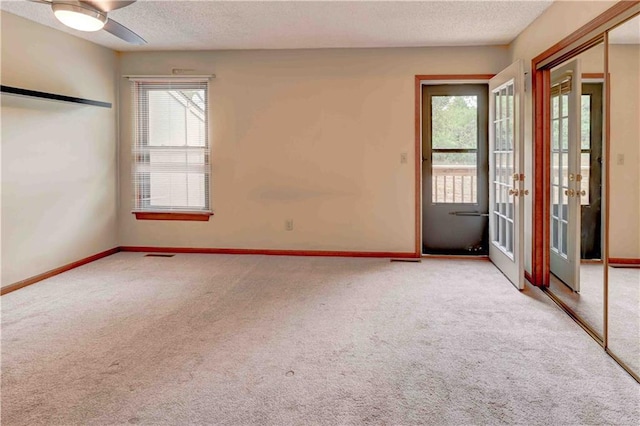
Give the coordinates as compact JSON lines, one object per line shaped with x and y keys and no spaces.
{"x":588,"y":304}
{"x":624,"y":320}
{"x":624,"y":307}
{"x":223,"y":339}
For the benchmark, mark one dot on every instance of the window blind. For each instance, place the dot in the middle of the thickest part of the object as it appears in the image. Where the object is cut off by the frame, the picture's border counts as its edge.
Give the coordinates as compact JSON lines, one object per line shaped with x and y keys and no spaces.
{"x":171,"y":169}
{"x":562,"y":87}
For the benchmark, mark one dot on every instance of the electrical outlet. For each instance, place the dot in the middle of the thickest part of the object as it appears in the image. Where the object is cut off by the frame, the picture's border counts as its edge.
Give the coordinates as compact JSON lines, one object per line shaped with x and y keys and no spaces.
{"x":403,"y":158}
{"x":288,"y":225}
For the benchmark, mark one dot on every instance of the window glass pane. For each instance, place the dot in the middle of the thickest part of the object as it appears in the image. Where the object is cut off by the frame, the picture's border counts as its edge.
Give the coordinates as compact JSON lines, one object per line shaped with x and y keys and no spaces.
{"x":496,"y":228}
{"x":555,"y":134}
{"x":555,"y":200}
{"x":167,"y":121}
{"x":555,"y":107}
{"x":585,"y":169}
{"x":176,"y":189}
{"x":454,"y":177}
{"x":510,"y":134}
{"x":555,"y":167}
{"x":564,"y":105}
{"x":176,"y":118}
{"x":563,"y":172}
{"x":585,"y":122}
{"x":454,"y":121}
{"x":496,"y":133}
{"x":564,"y":134}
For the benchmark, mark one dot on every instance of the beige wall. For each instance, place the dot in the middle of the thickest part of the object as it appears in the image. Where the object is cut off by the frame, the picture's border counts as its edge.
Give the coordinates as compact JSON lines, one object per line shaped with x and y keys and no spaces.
{"x":311,"y":135}
{"x":558,"y":21}
{"x":58,"y":160}
{"x":624,"y":68}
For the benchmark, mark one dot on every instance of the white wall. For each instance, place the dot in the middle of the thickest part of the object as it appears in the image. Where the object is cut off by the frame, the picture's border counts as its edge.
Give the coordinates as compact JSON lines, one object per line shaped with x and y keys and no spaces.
{"x":58,"y":160}
{"x":311,"y":135}
{"x":560,"y":20}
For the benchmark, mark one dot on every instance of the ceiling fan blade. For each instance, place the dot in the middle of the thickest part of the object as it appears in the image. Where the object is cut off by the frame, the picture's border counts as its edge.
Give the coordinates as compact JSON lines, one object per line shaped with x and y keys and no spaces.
{"x":109,"y":5}
{"x":123,"y":32}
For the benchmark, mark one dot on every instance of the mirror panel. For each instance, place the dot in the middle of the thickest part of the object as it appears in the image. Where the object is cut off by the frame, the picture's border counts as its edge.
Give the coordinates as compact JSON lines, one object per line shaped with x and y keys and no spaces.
{"x":624,"y":188}
{"x":576,"y":180}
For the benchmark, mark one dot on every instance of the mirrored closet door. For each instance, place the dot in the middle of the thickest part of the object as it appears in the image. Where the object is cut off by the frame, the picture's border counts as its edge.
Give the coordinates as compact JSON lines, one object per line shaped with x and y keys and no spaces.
{"x":623,"y":331}
{"x":586,"y":252}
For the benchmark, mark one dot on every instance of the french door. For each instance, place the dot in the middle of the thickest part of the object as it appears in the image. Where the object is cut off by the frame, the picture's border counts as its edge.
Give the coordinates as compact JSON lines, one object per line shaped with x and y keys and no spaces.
{"x":566,"y":192}
{"x":506,"y":173}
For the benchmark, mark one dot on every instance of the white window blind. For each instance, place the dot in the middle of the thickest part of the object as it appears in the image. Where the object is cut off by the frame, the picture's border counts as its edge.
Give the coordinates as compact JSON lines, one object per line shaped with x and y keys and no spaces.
{"x":171,"y":171}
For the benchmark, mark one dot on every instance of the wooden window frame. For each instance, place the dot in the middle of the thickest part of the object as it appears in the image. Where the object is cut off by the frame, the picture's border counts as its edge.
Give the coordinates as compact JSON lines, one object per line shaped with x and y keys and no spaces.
{"x":202,"y":215}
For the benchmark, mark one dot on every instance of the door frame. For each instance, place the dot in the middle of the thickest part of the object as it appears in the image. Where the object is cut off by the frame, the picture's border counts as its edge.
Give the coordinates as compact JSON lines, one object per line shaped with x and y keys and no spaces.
{"x":419,"y":81}
{"x":587,"y":36}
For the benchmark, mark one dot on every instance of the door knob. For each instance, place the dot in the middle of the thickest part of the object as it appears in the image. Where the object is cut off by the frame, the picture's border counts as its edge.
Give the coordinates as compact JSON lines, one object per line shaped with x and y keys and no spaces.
{"x":569,"y":192}
{"x":583,"y":192}
{"x":514,"y":192}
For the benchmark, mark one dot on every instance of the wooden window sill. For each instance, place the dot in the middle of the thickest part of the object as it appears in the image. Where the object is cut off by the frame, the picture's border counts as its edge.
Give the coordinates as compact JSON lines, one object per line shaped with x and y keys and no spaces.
{"x":198,"y":217}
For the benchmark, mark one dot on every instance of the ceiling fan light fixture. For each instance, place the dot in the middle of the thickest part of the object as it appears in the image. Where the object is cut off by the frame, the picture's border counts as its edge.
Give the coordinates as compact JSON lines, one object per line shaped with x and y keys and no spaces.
{"x":79,"y":17}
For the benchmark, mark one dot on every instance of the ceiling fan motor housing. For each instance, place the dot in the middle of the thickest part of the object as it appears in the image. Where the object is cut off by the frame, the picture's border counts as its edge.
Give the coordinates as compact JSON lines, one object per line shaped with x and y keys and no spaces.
{"x":79,"y":15}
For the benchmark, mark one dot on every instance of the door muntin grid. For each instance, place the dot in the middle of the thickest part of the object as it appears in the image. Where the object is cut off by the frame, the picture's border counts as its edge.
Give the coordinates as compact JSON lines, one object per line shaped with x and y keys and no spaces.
{"x":503,"y":209}
{"x":559,"y":173}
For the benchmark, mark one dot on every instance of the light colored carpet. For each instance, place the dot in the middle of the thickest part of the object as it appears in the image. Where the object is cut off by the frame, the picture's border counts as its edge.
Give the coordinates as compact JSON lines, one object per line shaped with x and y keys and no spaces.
{"x":624,"y":315}
{"x":589,"y":302}
{"x":624,"y":307}
{"x":223,"y":339}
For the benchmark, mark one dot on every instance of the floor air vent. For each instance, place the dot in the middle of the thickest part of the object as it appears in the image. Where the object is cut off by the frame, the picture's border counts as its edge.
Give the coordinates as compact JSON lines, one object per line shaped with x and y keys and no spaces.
{"x":158,"y":255}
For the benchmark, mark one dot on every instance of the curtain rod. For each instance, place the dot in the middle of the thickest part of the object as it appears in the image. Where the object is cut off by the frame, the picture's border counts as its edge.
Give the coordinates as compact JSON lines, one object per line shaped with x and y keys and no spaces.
{"x":176,"y":76}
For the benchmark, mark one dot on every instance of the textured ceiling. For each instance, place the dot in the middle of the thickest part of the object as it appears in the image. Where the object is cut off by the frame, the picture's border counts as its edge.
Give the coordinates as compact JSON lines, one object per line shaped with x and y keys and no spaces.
{"x":205,"y":25}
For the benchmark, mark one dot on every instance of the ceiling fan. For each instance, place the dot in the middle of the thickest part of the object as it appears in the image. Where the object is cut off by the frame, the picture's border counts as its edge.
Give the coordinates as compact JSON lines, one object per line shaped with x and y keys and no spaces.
{"x":91,"y":15}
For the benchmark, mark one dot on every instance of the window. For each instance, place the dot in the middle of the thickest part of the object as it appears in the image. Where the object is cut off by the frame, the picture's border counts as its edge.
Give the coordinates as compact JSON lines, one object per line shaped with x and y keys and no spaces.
{"x":454,"y":149}
{"x":171,"y":149}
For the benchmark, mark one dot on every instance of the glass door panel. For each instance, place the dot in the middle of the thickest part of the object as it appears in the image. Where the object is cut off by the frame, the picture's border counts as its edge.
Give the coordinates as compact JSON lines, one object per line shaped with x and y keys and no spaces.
{"x":565,"y":194}
{"x":506,"y":186}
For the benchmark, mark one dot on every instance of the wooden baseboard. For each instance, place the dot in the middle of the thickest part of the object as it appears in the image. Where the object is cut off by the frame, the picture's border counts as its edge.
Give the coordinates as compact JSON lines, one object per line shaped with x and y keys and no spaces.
{"x":624,"y":261}
{"x":20,"y":284}
{"x":271,"y":252}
